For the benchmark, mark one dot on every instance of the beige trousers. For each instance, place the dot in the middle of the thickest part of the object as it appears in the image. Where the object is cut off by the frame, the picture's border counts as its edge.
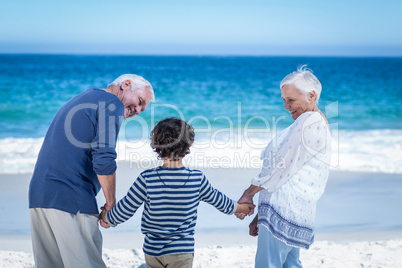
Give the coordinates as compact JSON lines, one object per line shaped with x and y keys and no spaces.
{"x":61,"y":239}
{"x":170,"y":261}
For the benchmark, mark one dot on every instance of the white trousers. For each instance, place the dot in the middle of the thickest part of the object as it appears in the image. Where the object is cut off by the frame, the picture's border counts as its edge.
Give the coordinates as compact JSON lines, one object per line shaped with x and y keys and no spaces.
{"x":61,"y":239}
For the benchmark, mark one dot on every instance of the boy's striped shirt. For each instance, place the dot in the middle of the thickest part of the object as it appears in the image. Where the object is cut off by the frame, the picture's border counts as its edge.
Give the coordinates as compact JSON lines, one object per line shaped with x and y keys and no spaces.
{"x":171,"y":197}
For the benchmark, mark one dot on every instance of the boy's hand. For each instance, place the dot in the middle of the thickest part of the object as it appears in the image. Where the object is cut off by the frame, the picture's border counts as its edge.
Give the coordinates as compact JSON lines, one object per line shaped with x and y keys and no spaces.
{"x":102,"y":218}
{"x":245,"y":208}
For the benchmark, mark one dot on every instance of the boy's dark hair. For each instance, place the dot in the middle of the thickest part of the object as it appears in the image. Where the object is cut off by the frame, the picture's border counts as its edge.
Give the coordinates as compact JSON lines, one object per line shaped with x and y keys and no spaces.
{"x":172,"y":138}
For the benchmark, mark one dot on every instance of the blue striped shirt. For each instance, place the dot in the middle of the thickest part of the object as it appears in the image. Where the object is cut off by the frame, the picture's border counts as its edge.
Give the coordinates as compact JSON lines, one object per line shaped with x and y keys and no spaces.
{"x":171,"y":197}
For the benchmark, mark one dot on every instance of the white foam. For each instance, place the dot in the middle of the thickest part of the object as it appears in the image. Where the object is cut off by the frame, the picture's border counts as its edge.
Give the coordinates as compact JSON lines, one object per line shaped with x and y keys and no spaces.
{"x":370,"y":151}
{"x":18,"y":155}
{"x":367,"y":151}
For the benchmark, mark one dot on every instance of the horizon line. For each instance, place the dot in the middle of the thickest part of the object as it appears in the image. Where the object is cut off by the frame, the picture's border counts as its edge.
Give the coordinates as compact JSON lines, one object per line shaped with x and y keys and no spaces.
{"x":194,"y":55}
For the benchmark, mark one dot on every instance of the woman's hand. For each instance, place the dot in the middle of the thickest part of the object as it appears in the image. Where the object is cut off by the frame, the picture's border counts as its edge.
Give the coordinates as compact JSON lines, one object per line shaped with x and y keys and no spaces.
{"x":253,"y":228}
{"x":247,"y":197}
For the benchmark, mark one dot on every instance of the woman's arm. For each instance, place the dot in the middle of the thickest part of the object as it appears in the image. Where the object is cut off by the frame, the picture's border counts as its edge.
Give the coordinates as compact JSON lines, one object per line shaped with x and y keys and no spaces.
{"x":247,"y":197}
{"x":249,"y":193}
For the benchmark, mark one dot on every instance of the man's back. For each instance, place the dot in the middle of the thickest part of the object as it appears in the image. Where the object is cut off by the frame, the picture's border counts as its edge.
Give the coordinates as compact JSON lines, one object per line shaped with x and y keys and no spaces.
{"x":65,"y":173}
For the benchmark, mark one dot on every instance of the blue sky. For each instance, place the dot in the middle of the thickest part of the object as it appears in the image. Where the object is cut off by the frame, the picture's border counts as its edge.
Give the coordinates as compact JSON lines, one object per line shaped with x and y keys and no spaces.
{"x":191,"y":27}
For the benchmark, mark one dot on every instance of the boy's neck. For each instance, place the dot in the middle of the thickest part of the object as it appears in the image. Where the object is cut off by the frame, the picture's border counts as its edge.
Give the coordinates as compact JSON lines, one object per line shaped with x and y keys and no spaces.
{"x":168,"y":163}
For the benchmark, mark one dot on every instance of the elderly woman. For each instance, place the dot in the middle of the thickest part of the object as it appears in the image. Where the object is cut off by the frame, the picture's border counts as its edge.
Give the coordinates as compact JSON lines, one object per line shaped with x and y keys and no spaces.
{"x":291,"y":185}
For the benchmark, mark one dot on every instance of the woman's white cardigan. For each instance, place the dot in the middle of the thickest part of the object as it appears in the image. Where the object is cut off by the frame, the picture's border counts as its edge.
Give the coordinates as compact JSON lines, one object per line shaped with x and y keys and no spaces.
{"x":294,"y":174}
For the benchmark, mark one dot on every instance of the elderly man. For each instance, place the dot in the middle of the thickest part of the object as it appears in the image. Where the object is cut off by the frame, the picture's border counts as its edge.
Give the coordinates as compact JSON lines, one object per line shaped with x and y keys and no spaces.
{"x":77,"y":158}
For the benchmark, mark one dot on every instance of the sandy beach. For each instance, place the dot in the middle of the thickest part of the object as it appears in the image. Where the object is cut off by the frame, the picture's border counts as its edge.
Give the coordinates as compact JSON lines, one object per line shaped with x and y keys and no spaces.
{"x":353,"y":228}
{"x":323,"y":253}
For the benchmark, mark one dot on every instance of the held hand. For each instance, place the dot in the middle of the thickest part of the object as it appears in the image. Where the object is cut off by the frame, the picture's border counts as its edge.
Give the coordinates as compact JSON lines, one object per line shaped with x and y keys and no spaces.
{"x":244,"y":209}
{"x":104,"y":224}
{"x":240,"y":216}
{"x":253,"y":228}
{"x":248,"y":210}
{"x":247,"y":197}
{"x":102,"y":218}
{"x":102,"y":215}
{"x":109,"y":206}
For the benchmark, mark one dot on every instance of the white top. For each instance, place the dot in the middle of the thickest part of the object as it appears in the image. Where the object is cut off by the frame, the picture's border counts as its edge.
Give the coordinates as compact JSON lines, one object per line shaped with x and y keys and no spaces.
{"x":294,"y":174}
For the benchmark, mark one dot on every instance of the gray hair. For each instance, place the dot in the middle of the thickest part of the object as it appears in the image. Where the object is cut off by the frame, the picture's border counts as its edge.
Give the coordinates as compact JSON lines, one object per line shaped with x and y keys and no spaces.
{"x":137,"y":83}
{"x":304,"y":80}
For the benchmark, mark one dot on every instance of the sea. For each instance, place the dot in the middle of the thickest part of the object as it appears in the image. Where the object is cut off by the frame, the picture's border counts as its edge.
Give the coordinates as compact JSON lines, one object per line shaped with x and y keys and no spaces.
{"x":233,"y":103}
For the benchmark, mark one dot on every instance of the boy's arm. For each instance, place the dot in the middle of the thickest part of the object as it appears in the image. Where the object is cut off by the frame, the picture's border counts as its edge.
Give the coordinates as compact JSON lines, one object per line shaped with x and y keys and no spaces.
{"x":217,"y":199}
{"x":128,"y":205}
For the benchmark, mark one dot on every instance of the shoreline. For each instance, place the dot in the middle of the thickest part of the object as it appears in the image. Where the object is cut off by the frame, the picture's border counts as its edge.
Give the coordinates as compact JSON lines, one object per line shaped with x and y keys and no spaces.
{"x":128,"y":241}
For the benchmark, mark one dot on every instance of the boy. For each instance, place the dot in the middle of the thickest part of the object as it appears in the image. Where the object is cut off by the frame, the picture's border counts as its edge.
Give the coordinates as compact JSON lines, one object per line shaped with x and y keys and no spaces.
{"x":171,"y":194}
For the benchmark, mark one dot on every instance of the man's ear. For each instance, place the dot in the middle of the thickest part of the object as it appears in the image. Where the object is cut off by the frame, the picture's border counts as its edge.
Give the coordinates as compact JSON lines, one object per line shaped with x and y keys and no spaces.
{"x":126,"y":85}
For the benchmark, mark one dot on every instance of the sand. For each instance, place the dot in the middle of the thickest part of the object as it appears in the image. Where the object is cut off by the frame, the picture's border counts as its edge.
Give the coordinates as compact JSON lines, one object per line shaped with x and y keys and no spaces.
{"x":361,"y":205}
{"x":322,"y":254}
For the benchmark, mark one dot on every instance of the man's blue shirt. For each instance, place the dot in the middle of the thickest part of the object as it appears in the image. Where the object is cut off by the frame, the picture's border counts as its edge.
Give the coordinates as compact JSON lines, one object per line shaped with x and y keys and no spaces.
{"x":79,"y":144}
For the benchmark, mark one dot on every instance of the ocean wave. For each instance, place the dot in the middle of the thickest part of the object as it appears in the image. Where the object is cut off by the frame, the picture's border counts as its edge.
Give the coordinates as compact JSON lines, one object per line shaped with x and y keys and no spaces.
{"x":366,"y":151}
{"x":18,"y":155}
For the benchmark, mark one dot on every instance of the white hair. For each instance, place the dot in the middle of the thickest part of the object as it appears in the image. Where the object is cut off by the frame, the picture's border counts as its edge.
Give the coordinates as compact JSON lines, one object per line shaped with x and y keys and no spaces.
{"x":304,"y":80}
{"x":137,"y":83}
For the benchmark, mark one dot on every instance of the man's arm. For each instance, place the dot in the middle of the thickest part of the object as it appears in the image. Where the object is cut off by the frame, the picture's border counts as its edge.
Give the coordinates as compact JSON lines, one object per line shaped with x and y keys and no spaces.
{"x":108,"y":184}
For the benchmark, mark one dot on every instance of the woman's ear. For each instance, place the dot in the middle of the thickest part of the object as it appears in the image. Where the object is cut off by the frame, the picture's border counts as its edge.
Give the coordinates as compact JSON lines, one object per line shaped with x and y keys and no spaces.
{"x":312,"y":96}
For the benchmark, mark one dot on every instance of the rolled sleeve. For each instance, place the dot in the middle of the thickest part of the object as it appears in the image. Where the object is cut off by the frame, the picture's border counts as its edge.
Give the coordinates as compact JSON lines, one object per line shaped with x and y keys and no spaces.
{"x":104,"y":161}
{"x":103,"y":145}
